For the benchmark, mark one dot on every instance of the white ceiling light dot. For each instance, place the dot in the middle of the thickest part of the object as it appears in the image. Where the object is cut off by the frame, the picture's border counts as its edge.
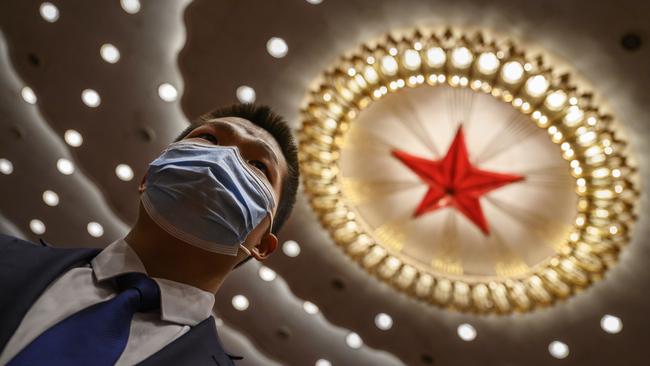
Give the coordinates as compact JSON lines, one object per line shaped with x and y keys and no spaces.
{"x":555,"y":101}
{"x":6,"y":167}
{"x":109,"y":53}
{"x":73,"y":138}
{"x":130,"y":6}
{"x":537,"y":85}
{"x":90,"y":98}
{"x":315,"y":2}
{"x":266,"y":274}
{"x":412,"y":59}
{"x":512,"y":72}
{"x":466,"y":332}
{"x":240,"y":302}
{"x":246,"y":94}
{"x":488,"y":63}
{"x":277,"y":47}
{"x":461,"y":57}
{"x":49,"y":12}
{"x":611,"y":324}
{"x":50,"y":198}
{"x":65,"y":166}
{"x":167,"y":92}
{"x":37,"y":226}
{"x":383,"y":321}
{"x":95,"y":229}
{"x":436,"y":57}
{"x":558,"y":349}
{"x":310,"y":307}
{"x":291,"y":248}
{"x":353,"y":340}
{"x":323,"y":362}
{"x":124,"y":172}
{"x":28,"y":95}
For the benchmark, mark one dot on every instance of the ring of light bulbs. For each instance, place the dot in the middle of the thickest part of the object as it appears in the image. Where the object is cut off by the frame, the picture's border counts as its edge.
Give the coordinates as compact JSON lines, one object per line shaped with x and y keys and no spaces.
{"x":596,"y":157}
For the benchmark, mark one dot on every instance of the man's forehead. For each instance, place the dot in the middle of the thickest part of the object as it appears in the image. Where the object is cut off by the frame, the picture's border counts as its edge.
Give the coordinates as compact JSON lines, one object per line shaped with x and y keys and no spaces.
{"x":249,"y":127}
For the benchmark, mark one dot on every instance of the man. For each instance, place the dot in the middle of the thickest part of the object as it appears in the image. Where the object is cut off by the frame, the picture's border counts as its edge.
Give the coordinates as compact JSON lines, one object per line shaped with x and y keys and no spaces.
{"x":213,"y":199}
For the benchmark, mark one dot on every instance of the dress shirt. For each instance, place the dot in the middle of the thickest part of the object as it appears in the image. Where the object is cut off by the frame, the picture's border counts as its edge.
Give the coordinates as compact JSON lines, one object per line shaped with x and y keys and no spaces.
{"x":182,"y":305}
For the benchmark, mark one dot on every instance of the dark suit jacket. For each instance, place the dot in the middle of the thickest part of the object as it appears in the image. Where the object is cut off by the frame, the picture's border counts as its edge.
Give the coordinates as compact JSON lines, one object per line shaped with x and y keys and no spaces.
{"x":26,"y":270}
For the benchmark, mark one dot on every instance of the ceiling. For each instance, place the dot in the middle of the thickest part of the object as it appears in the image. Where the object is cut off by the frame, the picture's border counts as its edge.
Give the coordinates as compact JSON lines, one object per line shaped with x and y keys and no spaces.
{"x":206,"y":50}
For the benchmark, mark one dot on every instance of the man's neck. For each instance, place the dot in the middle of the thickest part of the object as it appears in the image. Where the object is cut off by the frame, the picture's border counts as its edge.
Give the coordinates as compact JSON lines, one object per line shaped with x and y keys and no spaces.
{"x":165,"y":256}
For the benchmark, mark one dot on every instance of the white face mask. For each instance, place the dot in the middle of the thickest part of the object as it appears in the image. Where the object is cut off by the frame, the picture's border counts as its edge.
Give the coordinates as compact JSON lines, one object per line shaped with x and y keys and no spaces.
{"x":207,"y":196}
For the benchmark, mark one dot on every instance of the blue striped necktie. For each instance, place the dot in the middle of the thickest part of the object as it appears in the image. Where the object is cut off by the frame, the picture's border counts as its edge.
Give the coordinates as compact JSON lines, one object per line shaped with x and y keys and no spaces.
{"x":96,"y":335}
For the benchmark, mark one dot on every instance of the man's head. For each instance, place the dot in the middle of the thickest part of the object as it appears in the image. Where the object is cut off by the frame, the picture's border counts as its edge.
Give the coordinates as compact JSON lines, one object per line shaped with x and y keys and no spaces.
{"x":266,"y":144}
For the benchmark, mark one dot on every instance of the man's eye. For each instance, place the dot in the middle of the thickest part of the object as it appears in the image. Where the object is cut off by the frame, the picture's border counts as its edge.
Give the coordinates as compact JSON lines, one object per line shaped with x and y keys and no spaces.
{"x":209,"y":137}
{"x":259,"y":165}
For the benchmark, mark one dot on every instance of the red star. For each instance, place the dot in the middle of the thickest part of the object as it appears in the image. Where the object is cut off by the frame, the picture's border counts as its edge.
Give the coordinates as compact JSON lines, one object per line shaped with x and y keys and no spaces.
{"x":454,"y":182}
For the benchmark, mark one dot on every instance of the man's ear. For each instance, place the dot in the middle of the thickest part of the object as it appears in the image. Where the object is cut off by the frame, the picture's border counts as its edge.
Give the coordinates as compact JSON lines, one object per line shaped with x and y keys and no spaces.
{"x":142,"y":183}
{"x":267,"y":245}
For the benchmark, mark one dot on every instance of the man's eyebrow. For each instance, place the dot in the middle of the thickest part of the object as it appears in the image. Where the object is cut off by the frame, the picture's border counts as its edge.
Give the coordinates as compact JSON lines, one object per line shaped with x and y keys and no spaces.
{"x":231,"y":129}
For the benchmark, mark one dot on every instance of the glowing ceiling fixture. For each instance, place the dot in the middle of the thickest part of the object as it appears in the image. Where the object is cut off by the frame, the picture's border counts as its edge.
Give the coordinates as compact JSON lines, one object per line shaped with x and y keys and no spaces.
{"x":558,"y":349}
{"x":310,"y":307}
{"x":95,"y":229}
{"x":240,"y":302}
{"x":124,"y":172}
{"x":291,"y":248}
{"x":28,"y":95}
{"x":277,"y":47}
{"x":488,"y":63}
{"x":556,"y":100}
{"x":383,"y":321}
{"x":65,"y":166}
{"x":246,"y":94}
{"x":37,"y":226}
{"x":436,"y":57}
{"x":50,"y":198}
{"x":90,"y":98}
{"x":49,"y":12}
{"x":512,"y":72}
{"x":461,"y":57}
{"x":6,"y":167}
{"x":323,"y":362}
{"x":412,"y":59}
{"x":611,"y":324}
{"x":315,"y":2}
{"x":130,"y":6}
{"x":466,"y":332}
{"x":353,"y":340}
{"x":167,"y":92}
{"x":73,"y":138}
{"x":109,"y":53}
{"x":537,"y":85}
{"x":266,"y":274}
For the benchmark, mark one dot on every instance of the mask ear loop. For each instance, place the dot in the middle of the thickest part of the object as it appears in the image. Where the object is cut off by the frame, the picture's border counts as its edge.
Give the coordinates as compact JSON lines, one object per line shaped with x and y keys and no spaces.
{"x":246,"y":250}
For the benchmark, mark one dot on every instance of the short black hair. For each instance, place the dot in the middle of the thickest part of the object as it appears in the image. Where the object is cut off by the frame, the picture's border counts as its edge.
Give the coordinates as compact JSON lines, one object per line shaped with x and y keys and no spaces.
{"x":274,"y":124}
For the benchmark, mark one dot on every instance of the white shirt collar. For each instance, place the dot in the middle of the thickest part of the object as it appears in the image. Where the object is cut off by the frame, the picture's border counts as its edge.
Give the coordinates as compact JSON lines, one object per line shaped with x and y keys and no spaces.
{"x":179,"y":302}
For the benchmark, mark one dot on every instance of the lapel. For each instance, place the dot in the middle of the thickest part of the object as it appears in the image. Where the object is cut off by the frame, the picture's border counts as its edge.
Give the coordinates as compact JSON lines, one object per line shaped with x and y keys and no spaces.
{"x":26,"y":270}
{"x":199,"y":346}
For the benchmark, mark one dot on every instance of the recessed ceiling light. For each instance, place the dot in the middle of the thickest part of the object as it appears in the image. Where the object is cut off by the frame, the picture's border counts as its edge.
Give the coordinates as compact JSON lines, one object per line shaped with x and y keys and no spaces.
{"x":130,"y":6}
{"x":90,"y":98}
{"x":466,"y":332}
{"x":167,"y":92}
{"x":611,"y":324}
{"x":353,"y":340}
{"x":37,"y":226}
{"x":124,"y":172}
{"x":6,"y":167}
{"x":315,"y":2}
{"x":310,"y":307}
{"x":28,"y":95}
{"x":109,"y":53}
{"x":95,"y":229}
{"x":558,"y":349}
{"x":383,"y":321}
{"x":266,"y":273}
{"x":240,"y":302}
{"x":277,"y":47}
{"x":291,"y":248}
{"x":49,"y":12}
{"x":73,"y":138}
{"x":246,"y":94}
{"x":323,"y":362}
{"x":65,"y":166}
{"x":50,"y":198}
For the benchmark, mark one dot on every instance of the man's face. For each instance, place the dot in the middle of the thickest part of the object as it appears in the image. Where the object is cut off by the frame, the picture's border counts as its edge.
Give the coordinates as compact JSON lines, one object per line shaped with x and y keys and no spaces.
{"x":258,"y":147}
